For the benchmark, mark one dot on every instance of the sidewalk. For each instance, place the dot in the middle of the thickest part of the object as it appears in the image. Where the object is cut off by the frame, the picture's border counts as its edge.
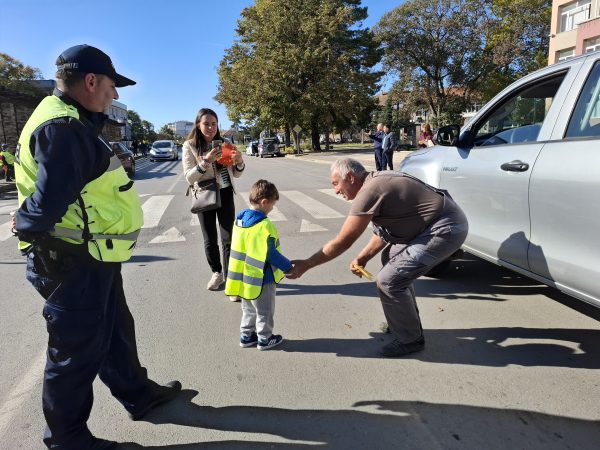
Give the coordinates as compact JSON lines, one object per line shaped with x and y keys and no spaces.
{"x":364,"y":156}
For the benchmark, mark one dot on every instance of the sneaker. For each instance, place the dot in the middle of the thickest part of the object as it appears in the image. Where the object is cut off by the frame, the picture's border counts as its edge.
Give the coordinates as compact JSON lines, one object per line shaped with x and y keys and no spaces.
{"x":215,"y":281}
{"x":234,"y":298}
{"x":273,"y":341}
{"x":396,"y":348}
{"x":248,"y":341}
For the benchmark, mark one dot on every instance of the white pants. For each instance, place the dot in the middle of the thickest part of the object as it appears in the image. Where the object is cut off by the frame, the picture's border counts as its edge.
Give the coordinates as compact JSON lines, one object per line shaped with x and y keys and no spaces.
{"x":257,"y":315}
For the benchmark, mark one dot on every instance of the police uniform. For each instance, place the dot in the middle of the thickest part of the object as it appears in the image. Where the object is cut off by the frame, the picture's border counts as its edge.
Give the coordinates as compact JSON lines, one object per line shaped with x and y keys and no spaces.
{"x":78,"y":220}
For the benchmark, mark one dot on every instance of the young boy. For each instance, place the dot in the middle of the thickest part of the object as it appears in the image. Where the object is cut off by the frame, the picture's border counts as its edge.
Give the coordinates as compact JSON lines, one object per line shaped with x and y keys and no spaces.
{"x":256,"y":265}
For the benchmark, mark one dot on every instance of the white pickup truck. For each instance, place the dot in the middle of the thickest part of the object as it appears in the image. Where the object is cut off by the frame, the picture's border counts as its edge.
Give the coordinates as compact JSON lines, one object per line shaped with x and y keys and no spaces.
{"x":526,"y":171}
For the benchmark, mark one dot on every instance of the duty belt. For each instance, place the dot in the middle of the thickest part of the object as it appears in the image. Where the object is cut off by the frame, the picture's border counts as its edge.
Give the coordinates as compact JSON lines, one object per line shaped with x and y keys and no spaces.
{"x":69,"y":233}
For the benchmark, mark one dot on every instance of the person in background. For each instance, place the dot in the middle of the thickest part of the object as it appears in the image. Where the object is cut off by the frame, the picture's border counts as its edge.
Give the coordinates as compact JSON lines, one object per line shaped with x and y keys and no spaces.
{"x":415,"y":225}
{"x":256,"y":266}
{"x":8,"y":166}
{"x":388,"y":146}
{"x":426,"y":136}
{"x":74,"y":252}
{"x":377,"y":141}
{"x":200,"y":163}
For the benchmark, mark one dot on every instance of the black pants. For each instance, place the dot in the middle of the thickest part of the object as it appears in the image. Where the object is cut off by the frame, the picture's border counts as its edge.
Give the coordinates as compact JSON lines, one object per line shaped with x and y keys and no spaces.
{"x":90,"y":332}
{"x":208,"y":222}
{"x":378,"y":156}
{"x":387,"y":160}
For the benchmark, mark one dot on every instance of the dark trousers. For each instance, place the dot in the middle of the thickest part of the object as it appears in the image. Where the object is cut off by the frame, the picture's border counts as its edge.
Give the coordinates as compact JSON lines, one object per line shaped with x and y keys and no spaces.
{"x":208,"y":222}
{"x":386,"y":160}
{"x":377,"y":152}
{"x":90,"y":332}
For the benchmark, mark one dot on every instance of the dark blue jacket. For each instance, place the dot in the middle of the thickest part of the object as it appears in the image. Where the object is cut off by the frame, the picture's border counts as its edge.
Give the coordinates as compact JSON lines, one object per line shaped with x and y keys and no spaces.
{"x":377,"y":139}
{"x":69,"y":155}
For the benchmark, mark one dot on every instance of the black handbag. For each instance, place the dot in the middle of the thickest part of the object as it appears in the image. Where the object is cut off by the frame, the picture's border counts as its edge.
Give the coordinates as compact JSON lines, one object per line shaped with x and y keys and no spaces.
{"x":206,"y":196}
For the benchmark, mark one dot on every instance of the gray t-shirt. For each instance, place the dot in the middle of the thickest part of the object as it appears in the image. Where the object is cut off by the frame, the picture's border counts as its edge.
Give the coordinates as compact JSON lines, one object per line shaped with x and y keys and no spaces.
{"x":400,"y":204}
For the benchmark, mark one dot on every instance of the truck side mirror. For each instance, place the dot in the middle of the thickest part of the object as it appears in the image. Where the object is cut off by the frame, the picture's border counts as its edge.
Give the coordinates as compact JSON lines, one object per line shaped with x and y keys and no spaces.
{"x":448,"y":136}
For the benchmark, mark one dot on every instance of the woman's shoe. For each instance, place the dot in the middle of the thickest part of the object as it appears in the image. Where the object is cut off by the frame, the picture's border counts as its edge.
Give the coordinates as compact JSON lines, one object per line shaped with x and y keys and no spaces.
{"x":215,"y":281}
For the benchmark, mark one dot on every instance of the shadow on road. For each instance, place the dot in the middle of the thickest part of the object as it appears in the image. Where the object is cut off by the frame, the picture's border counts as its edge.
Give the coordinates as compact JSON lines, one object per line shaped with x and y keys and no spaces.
{"x":491,"y":347}
{"x":379,"y":424}
{"x":355,"y":289}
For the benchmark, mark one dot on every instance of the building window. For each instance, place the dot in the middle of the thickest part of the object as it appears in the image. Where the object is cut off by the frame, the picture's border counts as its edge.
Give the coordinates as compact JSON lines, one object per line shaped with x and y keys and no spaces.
{"x":563,"y":55}
{"x":591,"y":45}
{"x":573,"y":14}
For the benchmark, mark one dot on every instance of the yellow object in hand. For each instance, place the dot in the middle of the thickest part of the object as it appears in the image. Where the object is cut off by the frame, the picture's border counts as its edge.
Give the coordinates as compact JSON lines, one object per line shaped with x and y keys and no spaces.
{"x":368,"y":275}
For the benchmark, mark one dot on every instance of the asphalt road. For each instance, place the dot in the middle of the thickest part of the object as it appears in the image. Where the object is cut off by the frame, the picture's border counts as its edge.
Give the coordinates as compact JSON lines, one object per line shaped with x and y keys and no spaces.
{"x":508,"y":363}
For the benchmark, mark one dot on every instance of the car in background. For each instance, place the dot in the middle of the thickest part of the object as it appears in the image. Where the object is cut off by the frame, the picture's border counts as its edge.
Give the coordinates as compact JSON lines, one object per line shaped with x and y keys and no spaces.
{"x":526,"y":172}
{"x":165,"y":150}
{"x":268,"y":147}
{"x":125,"y":156}
{"x":252,"y":148}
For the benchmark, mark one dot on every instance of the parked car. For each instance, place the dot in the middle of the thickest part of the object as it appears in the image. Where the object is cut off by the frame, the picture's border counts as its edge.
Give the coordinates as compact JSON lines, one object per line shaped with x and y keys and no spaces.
{"x":163,"y":150}
{"x":252,"y":148}
{"x":268,"y":147}
{"x":526,"y":171}
{"x":125,"y":156}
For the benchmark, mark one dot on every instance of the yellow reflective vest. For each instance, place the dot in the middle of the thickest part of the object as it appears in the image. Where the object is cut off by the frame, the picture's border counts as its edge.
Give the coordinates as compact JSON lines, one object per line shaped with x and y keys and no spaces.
{"x":248,"y":259}
{"x":107,"y":215}
{"x":8,"y":157}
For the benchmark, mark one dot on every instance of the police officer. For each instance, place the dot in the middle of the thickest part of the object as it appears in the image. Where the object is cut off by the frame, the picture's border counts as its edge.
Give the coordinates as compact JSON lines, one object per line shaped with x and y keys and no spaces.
{"x":78,"y":220}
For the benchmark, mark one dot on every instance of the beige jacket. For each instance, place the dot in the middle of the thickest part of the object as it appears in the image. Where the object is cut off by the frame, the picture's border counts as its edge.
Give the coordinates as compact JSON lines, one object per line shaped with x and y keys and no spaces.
{"x":189,"y":161}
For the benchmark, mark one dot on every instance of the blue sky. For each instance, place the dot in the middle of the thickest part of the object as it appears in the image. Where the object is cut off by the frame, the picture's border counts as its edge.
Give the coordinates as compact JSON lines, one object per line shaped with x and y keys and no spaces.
{"x":171,"y":48}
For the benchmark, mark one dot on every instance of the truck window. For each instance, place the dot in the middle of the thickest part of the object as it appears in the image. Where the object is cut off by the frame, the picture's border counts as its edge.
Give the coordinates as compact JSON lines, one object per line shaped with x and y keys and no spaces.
{"x":585,"y":121}
{"x":519,"y":117}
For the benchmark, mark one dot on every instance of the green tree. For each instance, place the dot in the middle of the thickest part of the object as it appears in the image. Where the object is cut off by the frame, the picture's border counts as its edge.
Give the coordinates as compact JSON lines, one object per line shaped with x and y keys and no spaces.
{"x":149,"y":133}
{"x":17,"y":76}
{"x":303,"y":62}
{"x":137,"y":130}
{"x":437,"y":50}
{"x":520,"y":46}
{"x":166,"y":133}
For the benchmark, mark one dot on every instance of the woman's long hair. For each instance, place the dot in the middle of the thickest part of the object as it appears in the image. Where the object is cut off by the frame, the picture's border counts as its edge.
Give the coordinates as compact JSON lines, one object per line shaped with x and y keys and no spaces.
{"x":196,"y":136}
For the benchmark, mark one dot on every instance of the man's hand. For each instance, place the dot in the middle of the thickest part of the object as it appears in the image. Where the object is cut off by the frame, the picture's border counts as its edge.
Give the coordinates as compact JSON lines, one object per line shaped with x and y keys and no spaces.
{"x":300,"y":266}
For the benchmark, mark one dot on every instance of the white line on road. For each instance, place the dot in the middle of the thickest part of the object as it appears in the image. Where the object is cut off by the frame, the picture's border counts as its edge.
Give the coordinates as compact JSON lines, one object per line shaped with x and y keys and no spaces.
{"x":274,"y":216}
{"x":316,"y":209}
{"x":15,"y":398}
{"x":332,"y":193}
{"x":6,"y":231}
{"x":8,"y":208}
{"x":154,"y":208}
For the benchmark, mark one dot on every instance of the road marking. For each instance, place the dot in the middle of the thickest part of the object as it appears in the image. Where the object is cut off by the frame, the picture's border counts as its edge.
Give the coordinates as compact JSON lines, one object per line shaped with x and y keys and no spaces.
{"x":175,"y":182}
{"x":15,"y":398}
{"x":309,"y":227}
{"x":6,"y":231}
{"x":154,"y":208}
{"x":274,"y":216}
{"x":316,"y":209}
{"x":8,"y":208}
{"x":333,"y":194}
{"x":171,"y":235}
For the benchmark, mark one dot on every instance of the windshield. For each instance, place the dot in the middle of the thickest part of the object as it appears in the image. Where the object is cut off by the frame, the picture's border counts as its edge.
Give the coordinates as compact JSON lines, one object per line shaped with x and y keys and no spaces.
{"x":162,"y":144}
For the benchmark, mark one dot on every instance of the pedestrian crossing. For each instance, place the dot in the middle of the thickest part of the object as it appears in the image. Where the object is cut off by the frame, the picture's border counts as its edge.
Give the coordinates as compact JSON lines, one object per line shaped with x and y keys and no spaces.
{"x":307,"y":211}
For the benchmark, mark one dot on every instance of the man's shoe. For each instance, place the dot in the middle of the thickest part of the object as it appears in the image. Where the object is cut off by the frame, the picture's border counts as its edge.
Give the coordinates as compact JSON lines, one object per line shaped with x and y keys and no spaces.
{"x":167,"y":393}
{"x":248,"y":341}
{"x":234,"y":298}
{"x":273,"y":341}
{"x":215,"y":281}
{"x":396,"y":348}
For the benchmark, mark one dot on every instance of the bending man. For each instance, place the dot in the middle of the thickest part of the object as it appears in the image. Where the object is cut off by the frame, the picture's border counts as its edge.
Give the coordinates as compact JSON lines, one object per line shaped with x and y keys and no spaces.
{"x":416,"y":225}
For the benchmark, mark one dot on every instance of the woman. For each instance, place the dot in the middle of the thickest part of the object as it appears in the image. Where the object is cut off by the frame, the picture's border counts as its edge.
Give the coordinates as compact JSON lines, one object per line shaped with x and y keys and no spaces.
{"x":426,"y":137}
{"x":199,"y":164}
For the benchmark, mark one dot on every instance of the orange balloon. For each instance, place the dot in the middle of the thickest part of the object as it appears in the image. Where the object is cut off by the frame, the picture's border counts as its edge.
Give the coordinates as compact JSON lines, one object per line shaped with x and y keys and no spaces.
{"x":227,"y":154}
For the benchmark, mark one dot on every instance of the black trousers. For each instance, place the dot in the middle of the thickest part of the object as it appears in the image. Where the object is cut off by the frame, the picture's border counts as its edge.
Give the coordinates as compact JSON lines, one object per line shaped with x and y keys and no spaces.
{"x":208,"y":222}
{"x":90,"y":332}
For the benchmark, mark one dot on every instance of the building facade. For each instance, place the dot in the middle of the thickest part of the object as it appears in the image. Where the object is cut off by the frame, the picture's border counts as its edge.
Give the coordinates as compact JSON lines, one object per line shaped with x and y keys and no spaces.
{"x":181,"y":128}
{"x":575,"y":29}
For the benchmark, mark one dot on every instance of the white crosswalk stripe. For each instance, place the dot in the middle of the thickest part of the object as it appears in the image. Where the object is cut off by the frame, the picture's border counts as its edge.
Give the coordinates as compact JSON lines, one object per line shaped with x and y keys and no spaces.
{"x":274,"y":216}
{"x":332,"y":193}
{"x":154,"y":208}
{"x":6,"y":231}
{"x":316,"y":209}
